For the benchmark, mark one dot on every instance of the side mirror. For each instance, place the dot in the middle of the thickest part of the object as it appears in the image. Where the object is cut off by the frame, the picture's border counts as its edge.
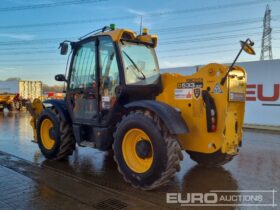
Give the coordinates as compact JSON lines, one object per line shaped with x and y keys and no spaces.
{"x":63,"y":48}
{"x":248,"y":47}
{"x":60,"y":78}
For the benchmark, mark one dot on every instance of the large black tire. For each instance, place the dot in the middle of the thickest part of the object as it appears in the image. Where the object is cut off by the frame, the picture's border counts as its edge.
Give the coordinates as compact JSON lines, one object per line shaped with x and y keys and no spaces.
{"x":62,"y":135}
{"x":68,"y":142}
{"x":18,"y":105}
{"x":166,"y":151}
{"x":210,"y":160}
{"x":11,"y":107}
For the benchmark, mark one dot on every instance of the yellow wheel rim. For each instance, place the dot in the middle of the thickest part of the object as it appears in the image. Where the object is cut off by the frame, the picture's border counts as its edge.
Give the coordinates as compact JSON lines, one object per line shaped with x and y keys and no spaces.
{"x":47,"y":141}
{"x":133,"y":161}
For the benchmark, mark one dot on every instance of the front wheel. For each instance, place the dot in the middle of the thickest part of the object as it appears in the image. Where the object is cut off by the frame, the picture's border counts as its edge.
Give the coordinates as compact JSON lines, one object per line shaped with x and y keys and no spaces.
{"x":11,"y":107}
{"x":210,"y":160}
{"x":55,"y":136}
{"x":18,"y":105}
{"x":146,"y":154}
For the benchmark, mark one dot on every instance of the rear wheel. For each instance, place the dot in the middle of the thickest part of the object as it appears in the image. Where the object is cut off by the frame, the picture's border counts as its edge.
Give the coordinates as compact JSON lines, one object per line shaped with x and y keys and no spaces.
{"x":18,"y":105}
{"x":55,"y":136}
{"x":146,"y":154}
{"x":210,"y":160}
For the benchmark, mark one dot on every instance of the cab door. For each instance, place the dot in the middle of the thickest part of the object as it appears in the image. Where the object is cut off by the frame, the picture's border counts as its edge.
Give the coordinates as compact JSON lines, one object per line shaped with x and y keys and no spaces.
{"x":109,"y":77}
{"x":82,"y":94}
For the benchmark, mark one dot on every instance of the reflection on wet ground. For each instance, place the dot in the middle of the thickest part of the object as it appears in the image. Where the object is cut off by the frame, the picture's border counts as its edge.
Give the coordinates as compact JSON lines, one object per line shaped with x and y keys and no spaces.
{"x":257,"y":167}
{"x":20,"y":192}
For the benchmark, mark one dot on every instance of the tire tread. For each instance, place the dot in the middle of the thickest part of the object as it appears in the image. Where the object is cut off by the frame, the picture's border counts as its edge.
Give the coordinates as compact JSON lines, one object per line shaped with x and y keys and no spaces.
{"x":174,"y":152}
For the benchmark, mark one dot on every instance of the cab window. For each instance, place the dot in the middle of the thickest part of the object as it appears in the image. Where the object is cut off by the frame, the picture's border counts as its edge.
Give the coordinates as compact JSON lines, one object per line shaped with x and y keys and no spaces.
{"x":109,"y":72}
{"x":83,"y":69}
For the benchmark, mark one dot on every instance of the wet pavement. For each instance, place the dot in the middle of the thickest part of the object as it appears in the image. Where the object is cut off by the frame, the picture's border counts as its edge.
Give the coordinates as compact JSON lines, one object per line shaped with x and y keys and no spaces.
{"x":89,"y":178}
{"x":20,"y":192}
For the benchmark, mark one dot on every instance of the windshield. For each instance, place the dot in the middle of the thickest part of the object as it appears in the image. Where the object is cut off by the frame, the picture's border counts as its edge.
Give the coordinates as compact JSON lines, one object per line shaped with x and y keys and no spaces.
{"x":140,"y":64}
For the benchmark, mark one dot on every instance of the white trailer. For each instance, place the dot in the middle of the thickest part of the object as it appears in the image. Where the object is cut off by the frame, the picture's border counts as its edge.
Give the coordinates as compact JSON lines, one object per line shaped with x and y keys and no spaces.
{"x":26,"y":89}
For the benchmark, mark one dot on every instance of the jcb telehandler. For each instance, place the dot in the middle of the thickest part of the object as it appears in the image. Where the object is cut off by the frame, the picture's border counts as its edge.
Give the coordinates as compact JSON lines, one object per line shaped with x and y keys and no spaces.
{"x":117,"y":99}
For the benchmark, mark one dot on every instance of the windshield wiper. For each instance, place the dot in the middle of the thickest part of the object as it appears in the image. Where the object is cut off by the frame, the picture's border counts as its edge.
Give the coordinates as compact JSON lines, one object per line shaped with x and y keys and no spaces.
{"x":135,"y":66}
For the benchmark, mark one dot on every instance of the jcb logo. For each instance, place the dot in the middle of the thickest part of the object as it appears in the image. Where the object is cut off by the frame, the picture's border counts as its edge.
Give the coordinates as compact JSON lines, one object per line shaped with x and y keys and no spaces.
{"x":256,"y":91}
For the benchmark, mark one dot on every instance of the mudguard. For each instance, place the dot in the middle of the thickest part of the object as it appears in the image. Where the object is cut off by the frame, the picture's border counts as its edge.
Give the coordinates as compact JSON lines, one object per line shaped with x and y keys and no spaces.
{"x":171,"y":117}
{"x":61,"y":107}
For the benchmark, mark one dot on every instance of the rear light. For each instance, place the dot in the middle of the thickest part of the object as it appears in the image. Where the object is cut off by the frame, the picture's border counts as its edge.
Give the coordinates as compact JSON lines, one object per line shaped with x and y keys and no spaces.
{"x":211,"y":113}
{"x":213,"y":128}
{"x":213,"y":121}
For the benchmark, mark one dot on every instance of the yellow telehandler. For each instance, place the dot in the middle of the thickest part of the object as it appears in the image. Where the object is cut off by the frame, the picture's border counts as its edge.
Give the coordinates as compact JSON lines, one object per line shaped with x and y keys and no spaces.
{"x":10,"y":101}
{"x":117,"y":99}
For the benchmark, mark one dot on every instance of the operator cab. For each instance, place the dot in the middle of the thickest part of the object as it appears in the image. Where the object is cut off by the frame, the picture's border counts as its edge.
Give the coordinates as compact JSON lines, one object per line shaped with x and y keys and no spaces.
{"x":108,"y":70}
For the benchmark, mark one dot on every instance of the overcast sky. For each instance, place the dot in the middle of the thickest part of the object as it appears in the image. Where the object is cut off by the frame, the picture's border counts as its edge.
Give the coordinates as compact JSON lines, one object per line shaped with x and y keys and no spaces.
{"x":191,"y":32}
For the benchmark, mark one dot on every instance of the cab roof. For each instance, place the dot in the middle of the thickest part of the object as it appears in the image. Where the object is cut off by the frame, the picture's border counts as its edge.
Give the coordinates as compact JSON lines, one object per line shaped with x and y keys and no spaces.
{"x":119,"y":34}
